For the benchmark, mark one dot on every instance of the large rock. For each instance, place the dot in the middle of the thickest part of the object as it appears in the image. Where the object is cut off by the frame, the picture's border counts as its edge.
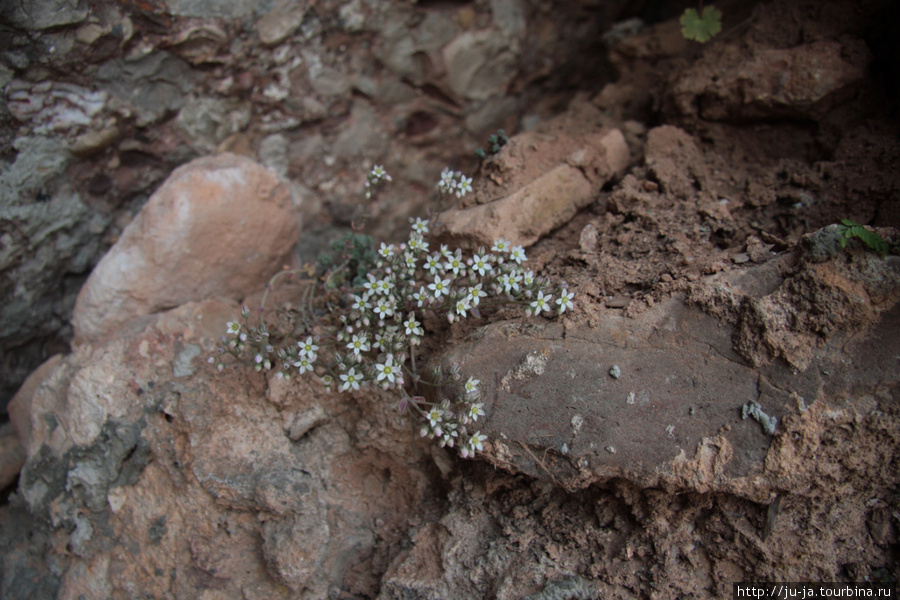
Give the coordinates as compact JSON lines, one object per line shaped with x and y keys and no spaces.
{"x":218,"y":226}
{"x":674,"y":399}
{"x":149,"y":473}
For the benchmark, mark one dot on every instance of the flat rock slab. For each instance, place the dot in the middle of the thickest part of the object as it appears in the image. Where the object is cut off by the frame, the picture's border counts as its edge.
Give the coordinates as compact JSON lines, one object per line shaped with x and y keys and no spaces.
{"x":657,"y":400}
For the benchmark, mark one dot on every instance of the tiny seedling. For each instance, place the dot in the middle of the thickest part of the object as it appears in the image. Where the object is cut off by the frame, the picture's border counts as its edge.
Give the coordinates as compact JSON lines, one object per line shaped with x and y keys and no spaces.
{"x":495,"y":142}
{"x":702,"y":26}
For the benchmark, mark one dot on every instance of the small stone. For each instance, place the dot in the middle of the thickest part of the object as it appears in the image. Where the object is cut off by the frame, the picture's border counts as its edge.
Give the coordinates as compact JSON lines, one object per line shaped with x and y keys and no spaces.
{"x":741,"y":258}
{"x":615,"y":372}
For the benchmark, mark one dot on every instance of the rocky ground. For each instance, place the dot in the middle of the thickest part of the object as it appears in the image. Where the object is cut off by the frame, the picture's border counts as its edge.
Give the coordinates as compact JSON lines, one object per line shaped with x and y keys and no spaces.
{"x":721,"y":405}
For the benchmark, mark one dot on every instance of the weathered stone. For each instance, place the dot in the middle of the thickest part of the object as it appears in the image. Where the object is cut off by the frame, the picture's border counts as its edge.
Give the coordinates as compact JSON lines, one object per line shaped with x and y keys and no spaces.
{"x":801,"y":82}
{"x":283,"y":20}
{"x":208,"y":121}
{"x":219,"y":225}
{"x":12,"y":455}
{"x":479,"y":64}
{"x":154,"y":84}
{"x":44,"y":14}
{"x":572,"y":171}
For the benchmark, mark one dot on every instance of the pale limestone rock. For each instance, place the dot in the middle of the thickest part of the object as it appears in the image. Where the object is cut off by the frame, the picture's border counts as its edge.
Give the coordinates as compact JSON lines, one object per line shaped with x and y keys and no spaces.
{"x":218,"y":226}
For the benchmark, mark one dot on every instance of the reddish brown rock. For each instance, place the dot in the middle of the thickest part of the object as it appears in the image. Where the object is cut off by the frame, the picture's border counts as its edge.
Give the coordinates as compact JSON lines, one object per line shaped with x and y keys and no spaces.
{"x":218,"y":226}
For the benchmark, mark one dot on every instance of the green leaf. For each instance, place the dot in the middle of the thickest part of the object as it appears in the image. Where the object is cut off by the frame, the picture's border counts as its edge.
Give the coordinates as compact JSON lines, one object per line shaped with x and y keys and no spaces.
{"x":701,"y":27}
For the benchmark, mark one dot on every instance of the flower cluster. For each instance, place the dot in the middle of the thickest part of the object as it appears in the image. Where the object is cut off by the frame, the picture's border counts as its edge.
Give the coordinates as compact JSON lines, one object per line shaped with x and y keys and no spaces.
{"x":375,"y":179}
{"x":370,"y":333}
{"x":454,"y":182}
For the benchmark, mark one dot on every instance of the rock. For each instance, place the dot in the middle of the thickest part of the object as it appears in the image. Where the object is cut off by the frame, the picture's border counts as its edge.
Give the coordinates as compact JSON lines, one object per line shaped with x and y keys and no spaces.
{"x":20,"y":406}
{"x":154,"y":84}
{"x":131,"y":473}
{"x":479,"y":64}
{"x":12,"y":455}
{"x":283,"y":20}
{"x":211,"y":9}
{"x":673,"y":417}
{"x":676,"y":163}
{"x":44,"y":14}
{"x":209,"y":121}
{"x":566,"y":170}
{"x":804,"y":82}
{"x":54,"y":107}
{"x":219,"y":225}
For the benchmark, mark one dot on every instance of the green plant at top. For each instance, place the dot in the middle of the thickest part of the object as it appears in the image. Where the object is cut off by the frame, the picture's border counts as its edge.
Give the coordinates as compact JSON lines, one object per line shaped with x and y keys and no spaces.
{"x":495,"y":142}
{"x":702,"y":26}
{"x":363,"y":320}
{"x":848,"y":230}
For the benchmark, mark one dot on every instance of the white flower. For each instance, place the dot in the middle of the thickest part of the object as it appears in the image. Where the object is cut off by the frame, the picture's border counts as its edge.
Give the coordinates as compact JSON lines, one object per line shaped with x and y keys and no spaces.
{"x":379,"y":173}
{"x":454,"y":264}
{"x":476,"y":441}
{"x":433,"y":264}
{"x":434,"y":416}
{"x":384,"y":286}
{"x":360,"y":303}
{"x":472,"y":385}
{"x":565,"y":300}
{"x":233,"y":327}
{"x":475,"y":294}
{"x":462,"y":306}
{"x":303,"y":365}
{"x":445,"y":251}
{"x":439,"y":286}
{"x":387,"y":370}
{"x":420,"y":226}
{"x":385,"y":250}
{"x":518,"y":254}
{"x":308,"y":348}
{"x":541,"y":304}
{"x":475,"y":411}
{"x":371,"y":284}
{"x":413,"y":326}
{"x":351,"y":379}
{"x":500,"y":245}
{"x":420,"y":296}
{"x":528,"y":277}
{"x":510,"y":281}
{"x":417,"y":244}
{"x":481,"y":264}
{"x":384,"y":308}
{"x":464,"y":186}
{"x":359,"y":344}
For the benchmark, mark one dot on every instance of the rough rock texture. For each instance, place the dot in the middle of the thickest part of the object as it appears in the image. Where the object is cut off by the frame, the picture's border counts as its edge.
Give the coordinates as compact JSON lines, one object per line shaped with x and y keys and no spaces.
{"x":218,"y":226}
{"x":198,"y":474}
{"x":538,"y":181}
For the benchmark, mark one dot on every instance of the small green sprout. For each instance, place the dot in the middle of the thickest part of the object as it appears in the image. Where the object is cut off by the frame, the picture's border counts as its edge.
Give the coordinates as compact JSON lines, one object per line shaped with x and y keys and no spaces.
{"x":850,"y":229}
{"x":495,"y":142}
{"x":701,"y":27}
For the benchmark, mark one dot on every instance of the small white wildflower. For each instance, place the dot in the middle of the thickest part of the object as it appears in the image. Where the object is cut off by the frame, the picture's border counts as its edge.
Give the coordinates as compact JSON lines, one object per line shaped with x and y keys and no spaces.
{"x":385,"y":250}
{"x":413,"y":327}
{"x":420,"y":296}
{"x":462,"y":306}
{"x":420,"y":226}
{"x":445,"y":251}
{"x":417,"y":244}
{"x":565,"y":300}
{"x":475,"y":411}
{"x":454,"y":264}
{"x":476,"y":441}
{"x":371,"y":284}
{"x":327,"y":380}
{"x":433,"y":264}
{"x":481,"y":264}
{"x":464,"y":186}
{"x":303,"y":365}
{"x":510,"y":282}
{"x":439,"y":286}
{"x":541,"y":304}
{"x":351,"y":379}
{"x":359,"y":344}
{"x":384,"y":286}
{"x":472,"y":385}
{"x":500,"y":245}
{"x":233,"y":327}
{"x":308,"y":348}
{"x":528,"y":278}
{"x":518,"y":254}
{"x":384,"y":308}
{"x":434,"y":416}
{"x":387,"y":369}
{"x":360,"y":303}
{"x":475,"y":294}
